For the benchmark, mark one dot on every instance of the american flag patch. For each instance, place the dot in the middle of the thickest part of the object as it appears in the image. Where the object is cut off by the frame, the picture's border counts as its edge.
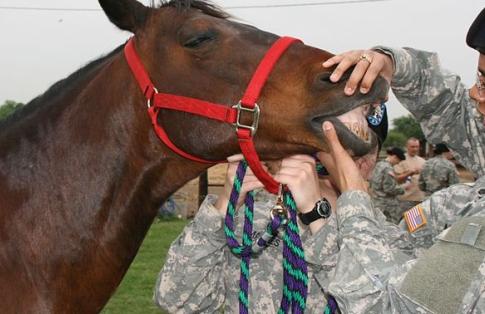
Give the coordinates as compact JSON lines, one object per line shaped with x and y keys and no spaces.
{"x":415,"y":218}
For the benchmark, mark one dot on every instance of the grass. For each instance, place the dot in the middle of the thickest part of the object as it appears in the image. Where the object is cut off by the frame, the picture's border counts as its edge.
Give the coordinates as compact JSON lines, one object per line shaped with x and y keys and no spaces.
{"x":134,"y":295}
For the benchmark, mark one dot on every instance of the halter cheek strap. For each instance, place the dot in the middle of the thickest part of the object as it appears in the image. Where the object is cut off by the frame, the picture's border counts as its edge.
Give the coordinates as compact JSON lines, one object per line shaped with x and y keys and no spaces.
{"x":223,"y":113}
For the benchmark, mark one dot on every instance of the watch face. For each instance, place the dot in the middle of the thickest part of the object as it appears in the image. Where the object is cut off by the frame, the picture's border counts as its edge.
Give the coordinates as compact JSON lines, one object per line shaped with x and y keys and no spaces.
{"x":323,"y":208}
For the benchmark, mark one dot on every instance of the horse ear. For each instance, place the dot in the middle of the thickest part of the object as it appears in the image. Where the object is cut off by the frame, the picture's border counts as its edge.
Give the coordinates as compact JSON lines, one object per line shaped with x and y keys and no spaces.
{"x":128,"y":15}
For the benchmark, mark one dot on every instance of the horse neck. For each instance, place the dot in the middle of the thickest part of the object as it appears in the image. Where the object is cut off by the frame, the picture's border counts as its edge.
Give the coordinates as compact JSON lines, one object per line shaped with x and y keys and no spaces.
{"x":90,"y":178}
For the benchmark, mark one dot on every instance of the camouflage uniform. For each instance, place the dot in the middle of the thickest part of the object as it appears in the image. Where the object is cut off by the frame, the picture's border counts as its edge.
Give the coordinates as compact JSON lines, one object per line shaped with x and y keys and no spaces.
{"x":449,"y":277}
{"x":385,"y":189}
{"x":370,"y":277}
{"x":201,"y":275}
{"x":437,"y":173}
{"x":446,"y":207}
{"x":441,"y":104}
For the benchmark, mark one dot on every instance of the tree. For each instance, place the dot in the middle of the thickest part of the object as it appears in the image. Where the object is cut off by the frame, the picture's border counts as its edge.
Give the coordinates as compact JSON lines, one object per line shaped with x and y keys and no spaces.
{"x":395,"y":139}
{"x":409,"y":127}
{"x":404,"y":128}
{"x":8,"y":107}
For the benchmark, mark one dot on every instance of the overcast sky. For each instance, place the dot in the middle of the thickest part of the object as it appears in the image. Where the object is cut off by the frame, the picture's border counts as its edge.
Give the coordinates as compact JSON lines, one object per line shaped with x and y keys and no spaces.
{"x":41,"y":47}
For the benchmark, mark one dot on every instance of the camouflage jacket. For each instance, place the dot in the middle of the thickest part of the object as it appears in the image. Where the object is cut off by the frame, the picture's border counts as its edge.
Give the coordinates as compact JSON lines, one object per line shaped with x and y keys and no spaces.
{"x":383,"y":182}
{"x":200,"y":274}
{"x":437,"y":173}
{"x":370,"y":277}
{"x":444,"y":208}
{"x":441,"y":104}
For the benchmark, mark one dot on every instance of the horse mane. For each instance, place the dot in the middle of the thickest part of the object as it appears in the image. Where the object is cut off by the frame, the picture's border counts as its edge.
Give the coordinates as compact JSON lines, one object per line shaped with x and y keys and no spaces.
{"x":204,"y":6}
{"x":56,"y":91}
{"x":64,"y":86}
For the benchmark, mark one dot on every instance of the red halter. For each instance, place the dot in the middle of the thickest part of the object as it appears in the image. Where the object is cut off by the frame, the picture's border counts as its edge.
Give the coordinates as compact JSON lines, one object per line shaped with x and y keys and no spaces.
{"x":245,"y":133}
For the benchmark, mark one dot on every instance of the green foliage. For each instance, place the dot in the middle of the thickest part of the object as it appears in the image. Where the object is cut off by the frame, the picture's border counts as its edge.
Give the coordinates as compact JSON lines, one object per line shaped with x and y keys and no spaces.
{"x":395,"y":139}
{"x":134,"y":295}
{"x":8,"y":107}
{"x":404,"y":128}
{"x":408,"y":126}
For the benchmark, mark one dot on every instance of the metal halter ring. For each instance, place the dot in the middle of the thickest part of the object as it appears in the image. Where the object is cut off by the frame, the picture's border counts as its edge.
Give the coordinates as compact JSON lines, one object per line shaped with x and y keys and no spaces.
{"x":149,"y":101}
{"x":365,"y":57}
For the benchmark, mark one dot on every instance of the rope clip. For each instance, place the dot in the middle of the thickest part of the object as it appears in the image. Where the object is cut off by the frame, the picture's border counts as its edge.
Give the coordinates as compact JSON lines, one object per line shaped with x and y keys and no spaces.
{"x":280,"y":210}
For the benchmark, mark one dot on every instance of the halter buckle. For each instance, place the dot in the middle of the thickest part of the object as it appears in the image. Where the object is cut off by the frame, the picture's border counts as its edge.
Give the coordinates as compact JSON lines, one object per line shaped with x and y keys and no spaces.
{"x":255,"y":111}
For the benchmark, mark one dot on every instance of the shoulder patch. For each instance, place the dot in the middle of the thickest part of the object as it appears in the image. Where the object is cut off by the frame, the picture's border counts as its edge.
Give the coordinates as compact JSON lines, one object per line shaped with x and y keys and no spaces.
{"x":415,"y":218}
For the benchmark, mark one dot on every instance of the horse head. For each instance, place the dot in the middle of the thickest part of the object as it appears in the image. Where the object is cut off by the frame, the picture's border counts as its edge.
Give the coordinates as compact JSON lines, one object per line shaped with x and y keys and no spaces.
{"x":203,"y":54}
{"x":82,"y":172}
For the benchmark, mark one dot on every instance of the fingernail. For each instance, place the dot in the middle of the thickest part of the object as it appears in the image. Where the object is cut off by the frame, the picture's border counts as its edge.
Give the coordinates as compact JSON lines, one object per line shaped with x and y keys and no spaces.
{"x":349,"y":90}
{"x":333,"y":77}
{"x":364,"y":90}
{"x":325,"y":64}
{"x":327,"y":126}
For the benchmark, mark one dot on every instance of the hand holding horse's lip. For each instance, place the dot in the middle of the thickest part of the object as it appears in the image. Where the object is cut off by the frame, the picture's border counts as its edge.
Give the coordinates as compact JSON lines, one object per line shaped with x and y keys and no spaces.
{"x":352,"y":129}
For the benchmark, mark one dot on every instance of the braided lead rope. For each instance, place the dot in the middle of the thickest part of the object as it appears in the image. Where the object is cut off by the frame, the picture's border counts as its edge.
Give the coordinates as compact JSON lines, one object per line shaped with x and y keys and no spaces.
{"x":244,"y":250}
{"x":271,"y":231}
{"x":295,"y":272}
{"x":295,"y":276}
{"x":332,"y":306}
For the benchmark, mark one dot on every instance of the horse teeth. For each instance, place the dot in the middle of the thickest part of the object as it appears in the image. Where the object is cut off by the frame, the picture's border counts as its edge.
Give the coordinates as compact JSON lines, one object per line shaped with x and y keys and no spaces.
{"x":358,"y":129}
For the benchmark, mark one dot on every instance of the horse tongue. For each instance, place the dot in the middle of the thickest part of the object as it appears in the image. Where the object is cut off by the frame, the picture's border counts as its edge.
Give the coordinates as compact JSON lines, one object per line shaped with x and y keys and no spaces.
{"x":356,"y":115}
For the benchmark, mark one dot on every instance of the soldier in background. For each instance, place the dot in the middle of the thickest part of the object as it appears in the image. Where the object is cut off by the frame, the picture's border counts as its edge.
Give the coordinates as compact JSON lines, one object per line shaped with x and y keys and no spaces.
{"x":407,"y":171}
{"x":438,"y":172}
{"x":385,"y":187}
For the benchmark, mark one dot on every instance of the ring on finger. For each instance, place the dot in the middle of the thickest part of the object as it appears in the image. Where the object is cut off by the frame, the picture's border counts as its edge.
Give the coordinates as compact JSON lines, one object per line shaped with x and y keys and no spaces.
{"x":365,"y":57}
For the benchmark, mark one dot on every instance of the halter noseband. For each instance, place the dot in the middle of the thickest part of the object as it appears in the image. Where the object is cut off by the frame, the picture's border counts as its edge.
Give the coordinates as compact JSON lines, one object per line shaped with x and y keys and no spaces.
{"x":223,"y":113}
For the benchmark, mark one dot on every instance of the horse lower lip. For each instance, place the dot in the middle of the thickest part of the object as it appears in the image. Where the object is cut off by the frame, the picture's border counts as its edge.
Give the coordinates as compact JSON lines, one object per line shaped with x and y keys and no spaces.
{"x":355,"y":121}
{"x":349,"y":140}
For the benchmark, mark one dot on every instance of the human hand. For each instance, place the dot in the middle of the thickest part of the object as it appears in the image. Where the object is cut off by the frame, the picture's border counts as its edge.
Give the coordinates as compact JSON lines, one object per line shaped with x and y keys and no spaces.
{"x":250,"y":183}
{"x":343,"y":170}
{"x":368,"y":65}
{"x":299,"y":173}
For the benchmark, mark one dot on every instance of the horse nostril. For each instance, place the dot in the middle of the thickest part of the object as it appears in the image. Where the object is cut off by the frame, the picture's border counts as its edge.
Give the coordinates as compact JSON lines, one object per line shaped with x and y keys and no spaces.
{"x":323,"y":80}
{"x":324,"y":77}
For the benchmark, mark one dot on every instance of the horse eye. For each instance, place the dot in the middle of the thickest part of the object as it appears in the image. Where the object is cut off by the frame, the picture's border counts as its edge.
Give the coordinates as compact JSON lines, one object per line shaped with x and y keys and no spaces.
{"x":199,"y":40}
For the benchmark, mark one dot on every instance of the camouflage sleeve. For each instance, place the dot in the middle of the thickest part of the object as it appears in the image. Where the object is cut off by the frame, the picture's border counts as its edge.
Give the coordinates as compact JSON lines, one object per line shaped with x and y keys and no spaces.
{"x":421,"y":181}
{"x":365,"y":258}
{"x":390,"y":185}
{"x":440,"y":102}
{"x":453,"y":177}
{"x":369,"y":274}
{"x":440,"y":210}
{"x":192,"y":278}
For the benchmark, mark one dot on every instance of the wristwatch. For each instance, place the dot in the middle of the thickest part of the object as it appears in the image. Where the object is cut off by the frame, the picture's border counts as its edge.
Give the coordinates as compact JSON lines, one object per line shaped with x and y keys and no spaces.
{"x":322,"y":209}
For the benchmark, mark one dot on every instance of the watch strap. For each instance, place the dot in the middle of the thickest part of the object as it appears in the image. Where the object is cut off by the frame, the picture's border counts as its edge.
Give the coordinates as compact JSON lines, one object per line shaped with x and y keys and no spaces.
{"x":321,"y":210}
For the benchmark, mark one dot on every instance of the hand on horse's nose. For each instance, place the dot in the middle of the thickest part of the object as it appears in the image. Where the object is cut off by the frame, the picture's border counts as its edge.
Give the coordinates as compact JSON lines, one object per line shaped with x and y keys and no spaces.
{"x":322,"y":80}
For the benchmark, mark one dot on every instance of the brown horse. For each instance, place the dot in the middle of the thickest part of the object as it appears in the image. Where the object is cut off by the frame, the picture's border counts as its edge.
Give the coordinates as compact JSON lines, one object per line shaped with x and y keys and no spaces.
{"x":82,"y":172}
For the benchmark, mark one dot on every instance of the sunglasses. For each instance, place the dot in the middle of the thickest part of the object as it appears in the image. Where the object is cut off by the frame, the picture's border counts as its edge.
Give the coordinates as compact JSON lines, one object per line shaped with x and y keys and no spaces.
{"x":480,"y":83}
